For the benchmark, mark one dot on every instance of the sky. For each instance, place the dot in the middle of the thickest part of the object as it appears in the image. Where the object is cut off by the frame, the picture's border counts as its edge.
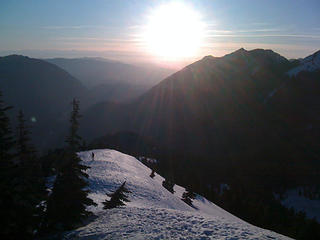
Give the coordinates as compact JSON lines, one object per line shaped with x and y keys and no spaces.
{"x":115,"y":29}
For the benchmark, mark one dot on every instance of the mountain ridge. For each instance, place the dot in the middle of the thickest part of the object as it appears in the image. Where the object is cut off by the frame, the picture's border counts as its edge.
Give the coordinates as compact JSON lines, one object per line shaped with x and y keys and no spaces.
{"x":197,"y":78}
{"x":310,"y":63}
{"x":153,"y":212}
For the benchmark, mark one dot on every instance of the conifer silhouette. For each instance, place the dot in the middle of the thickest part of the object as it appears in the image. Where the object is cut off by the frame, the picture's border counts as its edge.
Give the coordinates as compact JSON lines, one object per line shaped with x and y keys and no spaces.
{"x":68,"y":201}
{"x":7,"y":172}
{"x":188,"y":196}
{"x":167,"y":184}
{"x":30,"y":180}
{"x":152,"y":174}
{"x":117,"y":198}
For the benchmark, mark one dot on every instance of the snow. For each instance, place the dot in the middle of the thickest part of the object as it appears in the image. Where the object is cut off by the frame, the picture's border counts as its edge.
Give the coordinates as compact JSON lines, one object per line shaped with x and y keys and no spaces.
{"x":153,"y":212}
{"x":309,"y":64}
{"x":301,"y":203}
{"x":49,"y":183}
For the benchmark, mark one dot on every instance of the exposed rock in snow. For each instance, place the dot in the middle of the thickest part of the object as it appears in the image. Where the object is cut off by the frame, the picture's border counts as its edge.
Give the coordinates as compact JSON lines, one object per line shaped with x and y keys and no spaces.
{"x":153,"y":212}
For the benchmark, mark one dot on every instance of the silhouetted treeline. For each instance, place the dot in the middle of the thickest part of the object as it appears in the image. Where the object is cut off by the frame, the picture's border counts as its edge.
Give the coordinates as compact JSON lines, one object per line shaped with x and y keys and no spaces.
{"x":22,"y":185}
{"x":28,"y":210}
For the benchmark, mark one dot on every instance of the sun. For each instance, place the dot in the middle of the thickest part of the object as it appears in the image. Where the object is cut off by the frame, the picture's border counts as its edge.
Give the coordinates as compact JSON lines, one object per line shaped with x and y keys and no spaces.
{"x":174,"y":31}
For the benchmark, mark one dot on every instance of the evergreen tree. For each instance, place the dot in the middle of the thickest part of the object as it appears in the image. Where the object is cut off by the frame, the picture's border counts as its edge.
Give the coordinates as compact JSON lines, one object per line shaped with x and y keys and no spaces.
{"x":7,"y":172}
{"x":25,"y":149}
{"x":167,"y":184}
{"x":20,"y":187}
{"x":67,"y":204}
{"x":188,"y":196}
{"x":6,"y":138}
{"x":117,"y":198}
{"x":30,"y":182}
{"x":26,"y":153}
{"x":74,"y":140}
{"x":152,"y":174}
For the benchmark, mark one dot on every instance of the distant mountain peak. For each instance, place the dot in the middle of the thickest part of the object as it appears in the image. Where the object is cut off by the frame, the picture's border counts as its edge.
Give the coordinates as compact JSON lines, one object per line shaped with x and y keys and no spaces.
{"x":309,"y":64}
{"x":238,"y":52}
{"x":241,"y":50}
{"x":208,"y":59}
{"x":16,"y":57}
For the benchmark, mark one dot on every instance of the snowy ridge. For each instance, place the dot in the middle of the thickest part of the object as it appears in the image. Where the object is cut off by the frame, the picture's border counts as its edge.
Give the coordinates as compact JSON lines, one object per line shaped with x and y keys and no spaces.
{"x":153,"y":212}
{"x":309,"y":64}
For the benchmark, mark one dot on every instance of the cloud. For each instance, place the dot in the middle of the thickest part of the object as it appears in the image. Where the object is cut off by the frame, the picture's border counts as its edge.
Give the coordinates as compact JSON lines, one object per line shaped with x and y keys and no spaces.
{"x":260,"y":24}
{"x":261,"y":30}
{"x":96,"y":43}
{"x":95,"y":39}
{"x":247,"y":30}
{"x":220,"y":31}
{"x":136,"y":26}
{"x":264,"y":35}
{"x":75,"y":27}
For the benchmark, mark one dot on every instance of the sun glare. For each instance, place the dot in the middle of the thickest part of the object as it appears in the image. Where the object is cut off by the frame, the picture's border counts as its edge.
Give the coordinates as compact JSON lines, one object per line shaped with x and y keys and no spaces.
{"x":174,"y":31}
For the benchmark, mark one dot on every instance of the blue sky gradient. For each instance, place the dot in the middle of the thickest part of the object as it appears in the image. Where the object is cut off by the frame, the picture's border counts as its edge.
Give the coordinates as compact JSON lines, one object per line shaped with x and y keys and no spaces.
{"x":111,"y":29}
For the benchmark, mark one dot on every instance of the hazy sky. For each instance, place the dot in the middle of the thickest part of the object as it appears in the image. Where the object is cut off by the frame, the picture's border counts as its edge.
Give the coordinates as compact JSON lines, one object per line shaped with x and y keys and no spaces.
{"x":113,"y":29}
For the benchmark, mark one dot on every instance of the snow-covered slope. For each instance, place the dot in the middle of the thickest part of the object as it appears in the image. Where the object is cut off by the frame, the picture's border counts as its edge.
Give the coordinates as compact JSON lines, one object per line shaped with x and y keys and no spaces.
{"x":153,"y":212}
{"x":309,"y":64}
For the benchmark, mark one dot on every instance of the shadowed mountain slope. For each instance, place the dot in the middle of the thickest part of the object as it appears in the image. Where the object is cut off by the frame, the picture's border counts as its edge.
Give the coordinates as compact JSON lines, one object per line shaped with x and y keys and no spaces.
{"x":215,"y":109}
{"x":42,"y":90}
{"x":212,"y":101}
